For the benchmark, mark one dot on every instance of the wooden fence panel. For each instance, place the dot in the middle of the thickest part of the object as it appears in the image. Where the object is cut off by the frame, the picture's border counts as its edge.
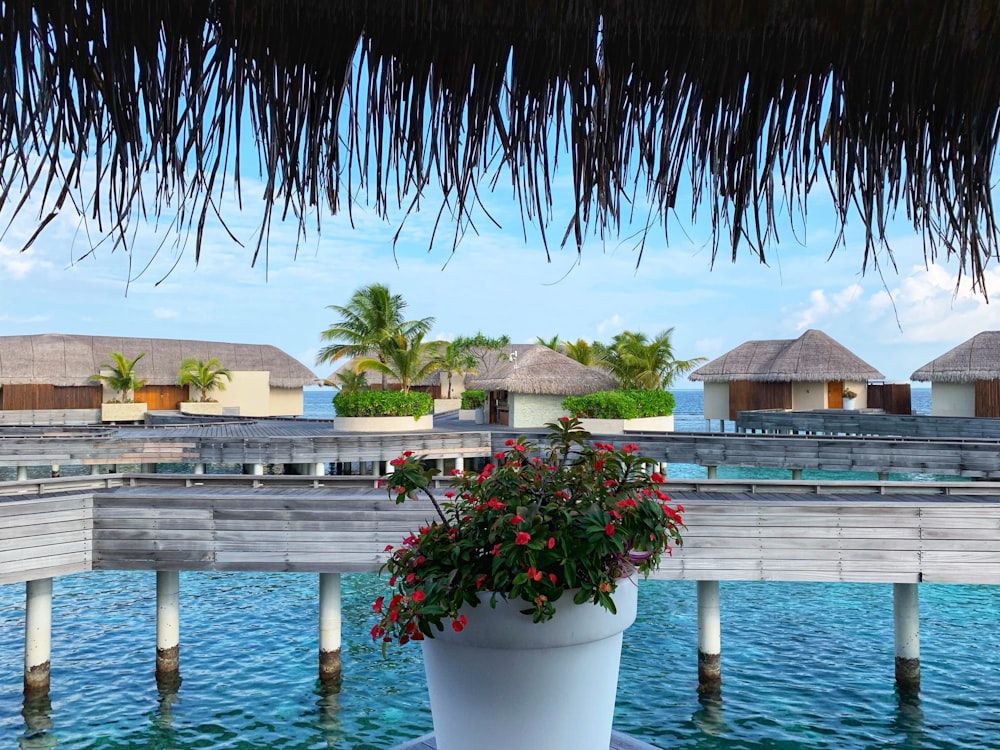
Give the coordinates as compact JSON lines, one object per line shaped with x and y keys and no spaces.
{"x":988,"y":398}
{"x":746,"y":395}
{"x":162,"y":397}
{"x":41,"y":396}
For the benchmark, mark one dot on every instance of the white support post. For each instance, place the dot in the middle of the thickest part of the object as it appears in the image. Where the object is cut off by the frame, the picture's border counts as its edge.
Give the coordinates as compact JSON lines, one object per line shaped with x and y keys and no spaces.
{"x":709,"y":638}
{"x":37,"y":636}
{"x":797,"y":474}
{"x":257,"y":470}
{"x":460,"y":463}
{"x":319,"y":469}
{"x":22,"y":473}
{"x":711,"y":472}
{"x":906,"y":621}
{"x":329,"y":630}
{"x":199,"y":468}
{"x":55,"y":471}
{"x":168,"y":624}
{"x":95,"y":469}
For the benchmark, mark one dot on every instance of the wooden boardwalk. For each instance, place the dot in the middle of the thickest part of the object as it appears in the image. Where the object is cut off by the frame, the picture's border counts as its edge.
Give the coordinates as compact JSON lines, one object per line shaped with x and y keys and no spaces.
{"x":783,"y":531}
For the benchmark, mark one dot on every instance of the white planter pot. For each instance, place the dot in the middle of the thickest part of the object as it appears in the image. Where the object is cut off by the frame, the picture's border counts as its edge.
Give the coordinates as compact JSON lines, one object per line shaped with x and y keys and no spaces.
{"x":383,"y":424}
{"x":466,"y":415}
{"x":620,"y":426}
{"x":201,"y":407}
{"x":480,"y":417}
{"x":848,"y":403}
{"x":506,"y":682}
{"x":123,"y":412}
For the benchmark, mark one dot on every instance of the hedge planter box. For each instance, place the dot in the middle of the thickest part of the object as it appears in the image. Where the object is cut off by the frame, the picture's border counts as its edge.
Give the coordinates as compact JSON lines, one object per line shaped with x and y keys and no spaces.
{"x":467,"y":415}
{"x":446,"y":404}
{"x":506,"y":682}
{"x":213,"y":408}
{"x":383,"y":424}
{"x":620,"y":426}
{"x":123,"y":412}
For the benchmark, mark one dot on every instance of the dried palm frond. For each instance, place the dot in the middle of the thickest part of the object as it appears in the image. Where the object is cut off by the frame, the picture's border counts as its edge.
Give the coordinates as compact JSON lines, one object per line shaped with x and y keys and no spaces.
{"x":751,"y":106}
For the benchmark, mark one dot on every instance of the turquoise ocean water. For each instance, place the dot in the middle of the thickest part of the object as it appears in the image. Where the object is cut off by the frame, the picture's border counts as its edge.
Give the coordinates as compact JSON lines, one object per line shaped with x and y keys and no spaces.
{"x":804,"y":665}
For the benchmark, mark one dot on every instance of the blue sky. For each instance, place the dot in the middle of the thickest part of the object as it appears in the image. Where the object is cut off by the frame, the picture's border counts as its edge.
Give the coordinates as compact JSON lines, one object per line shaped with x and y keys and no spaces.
{"x":497,"y":282}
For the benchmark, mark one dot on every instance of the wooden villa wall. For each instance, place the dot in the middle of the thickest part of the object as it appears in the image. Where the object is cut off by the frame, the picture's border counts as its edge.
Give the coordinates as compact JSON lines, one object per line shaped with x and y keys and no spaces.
{"x":746,"y":395}
{"x":167,"y":397}
{"x":42,"y":396}
{"x":892,"y":398}
{"x":988,"y":398}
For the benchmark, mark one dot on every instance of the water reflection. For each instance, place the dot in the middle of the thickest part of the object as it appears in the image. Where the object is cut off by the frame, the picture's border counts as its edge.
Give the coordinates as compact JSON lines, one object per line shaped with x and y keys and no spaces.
{"x":331,"y":728}
{"x":909,"y":718}
{"x":708,"y":716}
{"x":168,"y":695}
{"x":37,"y":713}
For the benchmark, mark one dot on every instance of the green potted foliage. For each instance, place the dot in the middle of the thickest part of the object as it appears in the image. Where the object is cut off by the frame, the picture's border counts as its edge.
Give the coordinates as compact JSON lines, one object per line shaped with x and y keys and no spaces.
{"x":472,"y":405}
{"x":521,"y":586}
{"x":120,"y":376}
{"x":613,"y":412}
{"x":383,"y":411}
{"x":203,"y":377}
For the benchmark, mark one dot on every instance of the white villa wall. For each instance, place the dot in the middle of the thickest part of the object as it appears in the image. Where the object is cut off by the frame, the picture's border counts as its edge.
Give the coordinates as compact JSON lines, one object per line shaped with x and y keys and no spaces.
{"x":861,"y":402}
{"x":250,"y":391}
{"x":953,"y":399}
{"x":716,"y":397}
{"x":809,"y":395}
{"x":533,"y":410}
{"x":457,"y":385}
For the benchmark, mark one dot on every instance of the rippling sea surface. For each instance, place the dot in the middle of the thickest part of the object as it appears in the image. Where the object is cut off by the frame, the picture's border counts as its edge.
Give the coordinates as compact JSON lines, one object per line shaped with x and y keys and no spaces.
{"x":805,"y":665}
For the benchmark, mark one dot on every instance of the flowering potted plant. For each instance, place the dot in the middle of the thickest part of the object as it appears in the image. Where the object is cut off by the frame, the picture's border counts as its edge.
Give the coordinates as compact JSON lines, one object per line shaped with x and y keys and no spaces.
{"x":527,"y":569}
{"x":849,"y":397}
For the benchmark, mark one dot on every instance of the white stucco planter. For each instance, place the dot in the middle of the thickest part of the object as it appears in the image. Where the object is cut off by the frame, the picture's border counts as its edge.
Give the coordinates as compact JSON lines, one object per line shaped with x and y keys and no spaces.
{"x":849,"y":403}
{"x":446,"y":404}
{"x":466,"y":415}
{"x":201,"y":407}
{"x":619,"y":426}
{"x":505,"y":681}
{"x":383,"y":424}
{"x":123,"y":412}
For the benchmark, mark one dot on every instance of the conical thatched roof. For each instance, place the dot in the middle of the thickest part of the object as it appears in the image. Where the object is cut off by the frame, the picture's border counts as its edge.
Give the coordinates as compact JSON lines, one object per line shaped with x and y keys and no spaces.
{"x":540,"y":370}
{"x":972,"y":360}
{"x":813,"y":356}
{"x":881,"y":104}
{"x":60,"y":359}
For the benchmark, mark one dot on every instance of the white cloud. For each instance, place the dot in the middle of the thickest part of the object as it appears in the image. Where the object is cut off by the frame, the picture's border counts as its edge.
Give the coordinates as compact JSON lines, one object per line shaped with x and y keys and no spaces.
{"x":165,"y":313}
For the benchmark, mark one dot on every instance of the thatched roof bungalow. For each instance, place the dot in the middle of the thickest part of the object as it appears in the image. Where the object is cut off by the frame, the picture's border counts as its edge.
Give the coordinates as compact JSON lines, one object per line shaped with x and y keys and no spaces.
{"x":965,"y":381}
{"x":810,"y":372}
{"x":53,"y":371}
{"x":526,"y":384}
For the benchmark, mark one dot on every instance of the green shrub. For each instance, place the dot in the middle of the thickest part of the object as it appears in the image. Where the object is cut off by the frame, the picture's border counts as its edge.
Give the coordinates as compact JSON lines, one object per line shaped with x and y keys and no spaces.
{"x":383,"y":404}
{"x":473,"y":399}
{"x":621,"y":404}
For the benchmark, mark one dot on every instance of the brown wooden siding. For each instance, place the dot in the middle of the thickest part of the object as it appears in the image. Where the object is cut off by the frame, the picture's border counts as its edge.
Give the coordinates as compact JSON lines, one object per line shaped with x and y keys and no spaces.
{"x":40,"y":396}
{"x":746,"y":395}
{"x":892,"y":398}
{"x":162,"y":396}
{"x":988,"y":398}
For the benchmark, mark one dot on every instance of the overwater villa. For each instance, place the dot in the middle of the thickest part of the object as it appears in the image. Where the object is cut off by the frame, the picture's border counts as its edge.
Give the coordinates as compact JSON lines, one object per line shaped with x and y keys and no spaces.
{"x":965,"y":381}
{"x":811,"y":372}
{"x":53,"y":373}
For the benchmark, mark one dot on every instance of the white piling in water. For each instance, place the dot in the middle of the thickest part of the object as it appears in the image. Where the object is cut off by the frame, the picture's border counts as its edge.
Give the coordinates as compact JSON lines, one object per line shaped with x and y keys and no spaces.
{"x":711,"y":472}
{"x":37,"y":636}
{"x":168,"y":624}
{"x":906,"y":622}
{"x":709,"y":638}
{"x":329,"y":630}
{"x":22,"y":473}
{"x":199,"y":468}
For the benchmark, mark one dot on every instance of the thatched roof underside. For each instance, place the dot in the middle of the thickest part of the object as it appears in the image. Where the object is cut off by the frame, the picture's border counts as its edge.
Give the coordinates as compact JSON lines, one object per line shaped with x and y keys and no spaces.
{"x":812,"y":357}
{"x":66,"y":360}
{"x":125,"y":109}
{"x":536,"y":369}
{"x":972,"y":360}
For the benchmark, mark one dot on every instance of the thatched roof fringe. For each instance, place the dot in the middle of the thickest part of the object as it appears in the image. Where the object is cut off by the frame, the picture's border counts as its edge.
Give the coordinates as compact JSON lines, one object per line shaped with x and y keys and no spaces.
{"x":978,"y":358}
{"x":887,"y":105}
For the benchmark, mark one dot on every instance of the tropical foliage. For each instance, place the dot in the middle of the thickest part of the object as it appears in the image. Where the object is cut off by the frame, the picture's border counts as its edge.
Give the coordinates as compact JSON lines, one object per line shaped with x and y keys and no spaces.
{"x":371,"y":326}
{"x":406,"y":360}
{"x":473,"y":399}
{"x":121,"y":376}
{"x":572,"y":518}
{"x":621,"y":404}
{"x":349,"y":381}
{"x":481,"y":346}
{"x":453,"y":359}
{"x":641,"y":362}
{"x":204,"y":377}
{"x":375,"y":403}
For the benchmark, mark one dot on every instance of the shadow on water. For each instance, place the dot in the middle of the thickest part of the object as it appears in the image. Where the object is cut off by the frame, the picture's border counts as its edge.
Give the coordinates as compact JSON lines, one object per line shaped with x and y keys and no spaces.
{"x":38,"y":725}
{"x":168,"y":695}
{"x":909,"y":719}
{"x":708,"y":716}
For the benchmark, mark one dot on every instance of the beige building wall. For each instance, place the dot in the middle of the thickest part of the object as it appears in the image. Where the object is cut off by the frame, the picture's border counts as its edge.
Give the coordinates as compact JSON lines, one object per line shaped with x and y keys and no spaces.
{"x":250,"y":391}
{"x":287,"y":402}
{"x":533,"y":410}
{"x":716,"y":397}
{"x":953,"y":399}
{"x":809,"y":395}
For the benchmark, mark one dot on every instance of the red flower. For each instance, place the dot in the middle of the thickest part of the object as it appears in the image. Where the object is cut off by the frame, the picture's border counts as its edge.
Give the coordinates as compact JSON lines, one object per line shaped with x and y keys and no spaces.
{"x":388,"y":548}
{"x":479,"y":581}
{"x":516,"y":519}
{"x":496,"y":549}
{"x":459,"y":624}
{"x":552,"y":577}
{"x":419,"y":596}
{"x":377,"y":606}
{"x":552,"y":542}
{"x":534,"y":574}
{"x":630,"y":448}
{"x":508,"y":442}
{"x":523,"y":537}
{"x":628,"y":502}
{"x":657,"y":477}
{"x":610,"y":529}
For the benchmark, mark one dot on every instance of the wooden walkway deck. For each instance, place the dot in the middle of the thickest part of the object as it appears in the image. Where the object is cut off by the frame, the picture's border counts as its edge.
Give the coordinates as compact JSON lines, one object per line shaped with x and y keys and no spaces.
{"x":780,"y":531}
{"x":619,"y":741}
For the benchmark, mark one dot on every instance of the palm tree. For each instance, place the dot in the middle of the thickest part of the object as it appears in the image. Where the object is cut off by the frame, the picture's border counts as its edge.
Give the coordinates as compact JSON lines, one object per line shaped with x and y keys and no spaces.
{"x":640,"y":362}
{"x":591,"y":355}
{"x":455,"y":359}
{"x":122,"y":378}
{"x":407,"y":360}
{"x":481,"y":346}
{"x":552,"y":343}
{"x":349,"y":381}
{"x":204,"y":376}
{"x":369,"y":325}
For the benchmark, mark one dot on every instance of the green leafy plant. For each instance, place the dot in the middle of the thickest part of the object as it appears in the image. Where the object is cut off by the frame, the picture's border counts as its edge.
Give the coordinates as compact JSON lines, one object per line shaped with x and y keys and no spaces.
{"x":473,"y":399}
{"x":632,"y":404}
{"x":848,"y":393}
{"x":121,"y":376}
{"x":205,"y":377}
{"x":570,"y":516}
{"x":383,"y":404}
